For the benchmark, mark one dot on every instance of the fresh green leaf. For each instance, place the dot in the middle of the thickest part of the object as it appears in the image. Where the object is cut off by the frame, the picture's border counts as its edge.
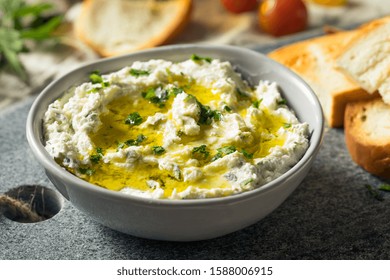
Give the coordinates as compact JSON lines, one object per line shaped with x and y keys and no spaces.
{"x":374,"y":192}
{"x":384,"y":187}
{"x":151,"y":95}
{"x":246,"y":182}
{"x":158,"y":150}
{"x":135,"y":142}
{"x":200,"y":153}
{"x":175,"y":91}
{"x":86,"y":171}
{"x":95,"y":158}
{"x":22,"y":23}
{"x":247,"y":154}
{"x":227,"y":108}
{"x":95,"y":77}
{"x":221,"y":152}
{"x":10,"y":45}
{"x":43,"y":31}
{"x":198,"y":58}
{"x":207,"y":115}
{"x":256,"y":103}
{"x":133,"y":119}
{"x":138,"y":72}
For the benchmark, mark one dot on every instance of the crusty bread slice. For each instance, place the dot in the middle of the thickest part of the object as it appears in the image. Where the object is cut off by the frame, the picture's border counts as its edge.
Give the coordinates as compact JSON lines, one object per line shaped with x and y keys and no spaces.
{"x":121,"y":26}
{"x":315,"y":61}
{"x":367,"y":135}
{"x":367,"y":58}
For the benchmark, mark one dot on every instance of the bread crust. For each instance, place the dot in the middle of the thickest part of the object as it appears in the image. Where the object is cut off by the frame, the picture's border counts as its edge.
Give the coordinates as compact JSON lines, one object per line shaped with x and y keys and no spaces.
{"x":175,"y":26}
{"x":367,"y":148}
{"x":315,"y":61}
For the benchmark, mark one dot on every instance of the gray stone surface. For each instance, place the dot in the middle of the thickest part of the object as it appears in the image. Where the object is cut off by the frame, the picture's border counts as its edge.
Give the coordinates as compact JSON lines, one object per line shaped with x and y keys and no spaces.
{"x":331,"y":215}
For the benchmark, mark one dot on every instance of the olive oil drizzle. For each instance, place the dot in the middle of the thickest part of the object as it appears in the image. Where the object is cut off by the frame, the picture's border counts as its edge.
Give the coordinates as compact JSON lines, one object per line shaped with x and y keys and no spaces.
{"x":114,"y":133}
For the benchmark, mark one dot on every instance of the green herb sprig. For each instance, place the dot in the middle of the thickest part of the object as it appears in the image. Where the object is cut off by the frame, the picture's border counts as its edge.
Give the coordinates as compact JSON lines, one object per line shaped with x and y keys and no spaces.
{"x":196,"y":58}
{"x":134,"y":119}
{"x":21,"y":24}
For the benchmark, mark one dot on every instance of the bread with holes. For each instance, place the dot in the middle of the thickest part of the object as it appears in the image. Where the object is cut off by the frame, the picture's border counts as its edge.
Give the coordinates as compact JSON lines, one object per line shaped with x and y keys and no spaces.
{"x":315,"y":61}
{"x":367,"y":135}
{"x":366,"y":59}
{"x":118,"y":27}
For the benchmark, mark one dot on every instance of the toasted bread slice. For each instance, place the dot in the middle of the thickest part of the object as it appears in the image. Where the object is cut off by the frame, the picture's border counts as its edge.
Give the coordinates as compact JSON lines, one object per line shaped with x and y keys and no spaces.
{"x":367,"y":135}
{"x":367,"y":58}
{"x":121,"y":26}
{"x":315,"y":61}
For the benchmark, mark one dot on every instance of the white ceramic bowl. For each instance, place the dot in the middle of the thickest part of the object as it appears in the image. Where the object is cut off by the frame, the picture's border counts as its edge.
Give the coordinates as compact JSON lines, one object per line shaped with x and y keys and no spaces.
{"x":184,"y":220}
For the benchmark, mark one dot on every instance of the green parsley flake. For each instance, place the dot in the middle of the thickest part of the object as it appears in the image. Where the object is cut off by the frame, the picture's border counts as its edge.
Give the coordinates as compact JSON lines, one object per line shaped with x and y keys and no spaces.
{"x":86,"y":171}
{"x":133,"y":119}
{"x":150,"y":95}
{"x":256,"y":103}
{"x":158,"y":150}
{"x":221,"y":152}
{"x":196,"y":58}
{"x":282,"y":101}
{"x":247,"y":154}
{"x":200,"y":153}
{"x":246,"y":182}
{"x":96,"y":78}
{"x":134,"y":142}
{"x":138,"y":72}
{"x":97,"y":157}
{"x":384,"y":187}
{"x":227,"y":108}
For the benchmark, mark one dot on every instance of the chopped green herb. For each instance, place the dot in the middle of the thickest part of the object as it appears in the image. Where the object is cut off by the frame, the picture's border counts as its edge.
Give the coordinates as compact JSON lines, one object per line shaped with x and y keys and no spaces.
{"x":384,"y":187}
{"x":96,"y":157}
{"x":374,"y":192}
{"x":133,"y":119}
{"x":198,"y":58}
{"x":246,"y":182}
{"x":282,"y":101}
{"x":227,"y":108}
{"x":221,"y":152}
{"x":138,"y":72}
{"x":86,"y":171}
{"x":135,"y":142}
{"x":96,"y":78}
{"x":200,"y":153}
{"x":207,"y":115}
{"x":247,"y":154}
{"x":257,"y":103}
{"x":287,"y":125}
{"x":175,"y":91}
{"x":151,"y":95}
{"x":158,"y":150}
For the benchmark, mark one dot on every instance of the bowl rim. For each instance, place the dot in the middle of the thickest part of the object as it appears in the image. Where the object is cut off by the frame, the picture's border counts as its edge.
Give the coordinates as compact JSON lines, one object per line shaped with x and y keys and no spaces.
{"x":49,"y":164}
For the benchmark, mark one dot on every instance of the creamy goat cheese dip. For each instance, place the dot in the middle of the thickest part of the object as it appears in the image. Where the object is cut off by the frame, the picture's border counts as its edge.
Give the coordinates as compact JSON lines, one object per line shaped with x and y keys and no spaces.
{"x":161,"y":129}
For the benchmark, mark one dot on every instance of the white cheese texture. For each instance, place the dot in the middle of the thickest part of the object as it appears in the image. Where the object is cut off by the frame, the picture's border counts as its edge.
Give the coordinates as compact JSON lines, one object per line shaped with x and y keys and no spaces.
{"x":165,"y":130}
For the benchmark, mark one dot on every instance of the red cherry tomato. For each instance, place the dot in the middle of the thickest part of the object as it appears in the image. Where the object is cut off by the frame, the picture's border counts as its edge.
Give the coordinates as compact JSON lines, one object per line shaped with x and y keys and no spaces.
{"x":282,"y":17}
{"x":239,"y":6}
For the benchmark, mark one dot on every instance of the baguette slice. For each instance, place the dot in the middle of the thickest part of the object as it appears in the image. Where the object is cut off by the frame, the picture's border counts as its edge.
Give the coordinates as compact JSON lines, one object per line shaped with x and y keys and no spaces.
{"x":367,"y":58}
{"x":118,"y":27}
{"x":315,"y":61}
{"x":367,"y":135}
